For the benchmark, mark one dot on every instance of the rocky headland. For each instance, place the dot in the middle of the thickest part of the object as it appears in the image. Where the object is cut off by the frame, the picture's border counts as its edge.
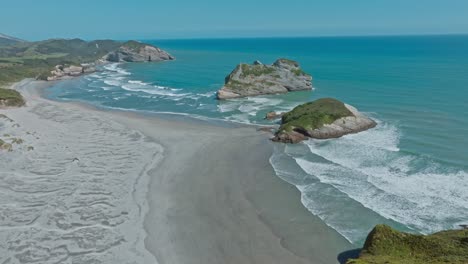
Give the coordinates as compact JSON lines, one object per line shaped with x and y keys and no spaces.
{"x":258,"y":79}
{"x":386,"y":245}
{"x":133,"y":51}
{"x":130,"y":51}
{"x":321,"y":119}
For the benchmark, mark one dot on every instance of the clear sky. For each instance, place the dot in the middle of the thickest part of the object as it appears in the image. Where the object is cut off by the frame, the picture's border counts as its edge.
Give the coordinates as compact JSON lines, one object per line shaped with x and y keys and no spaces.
{"x":152,"y":19}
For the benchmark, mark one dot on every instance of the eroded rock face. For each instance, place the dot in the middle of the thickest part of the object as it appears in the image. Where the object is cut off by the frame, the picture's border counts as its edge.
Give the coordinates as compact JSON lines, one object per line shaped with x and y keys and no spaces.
{"x":250,"y":80}
{"x":133,"y":51}
{"x":322,"y":119}
{"x":62,"y":72}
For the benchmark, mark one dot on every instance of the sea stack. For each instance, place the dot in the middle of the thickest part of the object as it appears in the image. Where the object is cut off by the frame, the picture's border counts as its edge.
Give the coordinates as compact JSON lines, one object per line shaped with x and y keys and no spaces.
{"x":258,"y":79}
{"x":321,"y":119}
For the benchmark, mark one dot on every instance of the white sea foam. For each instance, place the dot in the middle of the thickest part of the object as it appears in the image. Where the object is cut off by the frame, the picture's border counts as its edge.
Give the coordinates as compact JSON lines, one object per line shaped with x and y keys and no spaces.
{"x":114,"y":67}
{"x":138,"y":82}
{"x":152,"y":90}
{"x":369,"y":168}
{"x":112,"y":82}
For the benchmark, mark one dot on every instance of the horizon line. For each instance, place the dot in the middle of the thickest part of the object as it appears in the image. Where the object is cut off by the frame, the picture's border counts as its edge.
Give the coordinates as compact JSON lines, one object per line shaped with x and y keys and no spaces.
{"x":261,"y":37}
{"x":316,"y":36}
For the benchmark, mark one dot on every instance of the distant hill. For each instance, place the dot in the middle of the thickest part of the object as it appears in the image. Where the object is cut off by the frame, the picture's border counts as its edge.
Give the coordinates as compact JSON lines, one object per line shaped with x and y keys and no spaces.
{"x":8,"y":40}
{"x":20,"y":59}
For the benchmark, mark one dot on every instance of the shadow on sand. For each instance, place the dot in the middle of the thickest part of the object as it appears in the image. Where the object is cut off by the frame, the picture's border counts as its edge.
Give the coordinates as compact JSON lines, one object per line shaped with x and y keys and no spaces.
{"x":350,"y":254}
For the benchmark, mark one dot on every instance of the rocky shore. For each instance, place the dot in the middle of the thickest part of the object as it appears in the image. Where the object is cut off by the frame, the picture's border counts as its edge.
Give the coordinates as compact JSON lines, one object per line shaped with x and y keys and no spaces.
{"x":257,"y":79}
{"x":130,"y":51}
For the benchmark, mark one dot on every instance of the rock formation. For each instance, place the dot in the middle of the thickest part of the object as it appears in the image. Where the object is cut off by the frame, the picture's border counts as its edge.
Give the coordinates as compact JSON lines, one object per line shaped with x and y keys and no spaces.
{"x":321,"y":119}
{"x":386,"y":245}
{"x":249,"y":80}
{"x":133,"y":51}
{"x":62,"y":72}
{"x":273,"y":115}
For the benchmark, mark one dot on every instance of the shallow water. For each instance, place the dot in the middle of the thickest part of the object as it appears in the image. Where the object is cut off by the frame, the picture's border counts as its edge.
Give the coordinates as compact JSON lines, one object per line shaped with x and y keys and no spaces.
{"x":410,"y":172}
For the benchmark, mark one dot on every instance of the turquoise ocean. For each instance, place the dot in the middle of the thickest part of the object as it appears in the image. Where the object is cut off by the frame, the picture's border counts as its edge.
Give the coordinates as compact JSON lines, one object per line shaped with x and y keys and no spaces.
{"x":410,"y":172}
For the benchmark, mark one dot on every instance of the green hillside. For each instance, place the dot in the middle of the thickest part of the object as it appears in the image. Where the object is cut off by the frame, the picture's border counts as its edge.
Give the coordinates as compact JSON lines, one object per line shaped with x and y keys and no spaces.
{"x":31,"y":59}
{"x":8,"y":40}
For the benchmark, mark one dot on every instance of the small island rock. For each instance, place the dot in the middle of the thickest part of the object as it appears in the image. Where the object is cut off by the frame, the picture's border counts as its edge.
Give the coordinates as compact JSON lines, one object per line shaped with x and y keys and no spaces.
{"x":321,"y":119}
{"x":257,"y":79}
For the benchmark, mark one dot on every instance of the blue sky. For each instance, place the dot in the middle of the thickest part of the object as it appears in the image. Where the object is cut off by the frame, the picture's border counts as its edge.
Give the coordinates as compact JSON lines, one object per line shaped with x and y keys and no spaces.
{"x":146,"y":19}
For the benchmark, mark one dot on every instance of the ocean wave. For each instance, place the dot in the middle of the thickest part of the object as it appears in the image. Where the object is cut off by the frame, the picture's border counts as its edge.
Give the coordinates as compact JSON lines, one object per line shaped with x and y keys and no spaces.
{"x":154,"y":90}
{"x":114,"y":67}
{"x":369,"y":169}
{"x":113,"y":82}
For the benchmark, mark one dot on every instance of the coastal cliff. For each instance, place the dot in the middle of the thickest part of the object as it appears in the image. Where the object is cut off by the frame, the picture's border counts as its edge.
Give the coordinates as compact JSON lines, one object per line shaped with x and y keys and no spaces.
{"x":56,"y":59}
{"x":130,"y":51}
{"x":257,"y":79}
{"x":321,"y":119}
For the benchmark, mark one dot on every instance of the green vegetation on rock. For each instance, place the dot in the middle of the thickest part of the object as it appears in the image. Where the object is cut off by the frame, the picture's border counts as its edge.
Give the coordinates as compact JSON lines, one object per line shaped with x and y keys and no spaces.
{"x":10,"y":97}
{"x":133,"y":45}
{"x":298,"y":72}
{"x":288,"y":61}
{"x":314,"y":115}
{"x":255,"y":70}
{"x":386,"y":245}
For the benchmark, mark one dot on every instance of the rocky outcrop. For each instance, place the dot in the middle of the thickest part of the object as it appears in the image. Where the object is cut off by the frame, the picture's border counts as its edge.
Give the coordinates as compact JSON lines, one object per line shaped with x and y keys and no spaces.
{"x":10,"y":98}
{"x":387,"y":245}
{"x":321,"y":119}
{"x":133,"y":51}
{"x":273,"y":115}
{"x":257,"y":79}
{"x":62,"y":72}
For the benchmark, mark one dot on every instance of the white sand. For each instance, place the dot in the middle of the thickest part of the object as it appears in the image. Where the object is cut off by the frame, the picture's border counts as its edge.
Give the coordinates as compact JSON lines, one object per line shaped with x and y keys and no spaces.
{"x":213,"y":196}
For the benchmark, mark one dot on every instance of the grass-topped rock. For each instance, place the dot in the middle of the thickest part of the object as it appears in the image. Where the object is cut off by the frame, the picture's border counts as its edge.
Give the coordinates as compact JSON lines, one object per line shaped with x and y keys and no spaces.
{"x":10,"y":98}
{"x":321,"y":119}
{"x":386,"y":245}
{"x":256,"y":79}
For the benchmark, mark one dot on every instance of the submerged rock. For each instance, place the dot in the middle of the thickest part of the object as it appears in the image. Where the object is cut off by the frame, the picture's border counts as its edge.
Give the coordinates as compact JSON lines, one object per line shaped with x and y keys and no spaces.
{"x":249,"y":80}
{"x":321,"y":119}
{"x":133,"y":51}
{"x":386,"y":245}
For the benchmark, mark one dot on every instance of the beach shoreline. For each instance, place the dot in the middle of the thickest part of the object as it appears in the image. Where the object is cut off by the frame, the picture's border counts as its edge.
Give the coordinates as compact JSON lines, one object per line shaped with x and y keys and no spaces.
{"x":213,"y":196}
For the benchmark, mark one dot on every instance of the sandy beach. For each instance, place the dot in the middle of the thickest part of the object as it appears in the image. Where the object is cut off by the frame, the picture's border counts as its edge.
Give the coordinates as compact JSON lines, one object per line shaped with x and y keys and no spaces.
{"x":94,"y":186}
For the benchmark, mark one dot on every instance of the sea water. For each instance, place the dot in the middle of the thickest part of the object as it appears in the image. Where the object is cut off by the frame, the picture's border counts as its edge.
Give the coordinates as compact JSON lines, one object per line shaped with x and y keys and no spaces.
{"x":410,"y":172}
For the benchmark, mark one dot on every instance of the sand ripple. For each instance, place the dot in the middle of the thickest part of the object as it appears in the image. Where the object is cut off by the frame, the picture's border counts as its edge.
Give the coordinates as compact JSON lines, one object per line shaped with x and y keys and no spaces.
{"x":79,"y":195}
